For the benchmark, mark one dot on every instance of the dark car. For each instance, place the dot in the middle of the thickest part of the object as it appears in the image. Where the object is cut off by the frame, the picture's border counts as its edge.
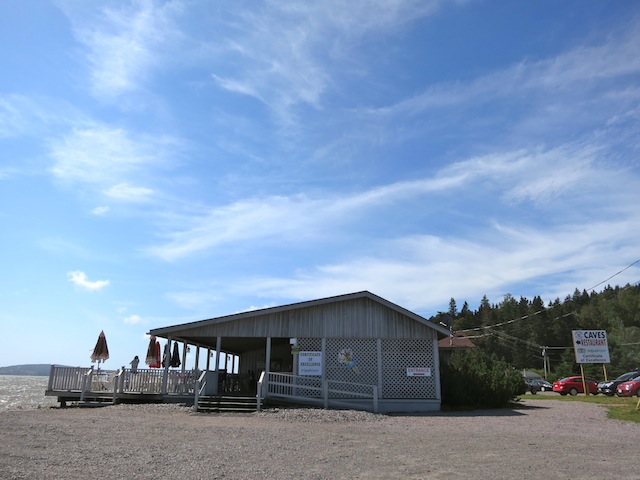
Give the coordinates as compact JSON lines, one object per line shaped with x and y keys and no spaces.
{"x":629,"y":388}
{"x":609,"y":387}
{"x":573,"y":385}
{"x":535,"y":385}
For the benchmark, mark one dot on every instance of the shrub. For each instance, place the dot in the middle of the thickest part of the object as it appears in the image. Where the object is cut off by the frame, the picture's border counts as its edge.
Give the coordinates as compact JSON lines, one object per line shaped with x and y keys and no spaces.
{"x":473,"y":378}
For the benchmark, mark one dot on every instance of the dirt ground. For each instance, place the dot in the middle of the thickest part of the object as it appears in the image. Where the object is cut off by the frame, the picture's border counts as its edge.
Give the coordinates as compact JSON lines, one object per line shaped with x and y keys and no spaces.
{"x":541,"y":439}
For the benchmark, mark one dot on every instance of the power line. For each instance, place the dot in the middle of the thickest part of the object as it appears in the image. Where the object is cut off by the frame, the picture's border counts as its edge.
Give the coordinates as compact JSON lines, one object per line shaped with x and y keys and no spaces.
{"x":615,"y":274}
{"x":540,"y":311}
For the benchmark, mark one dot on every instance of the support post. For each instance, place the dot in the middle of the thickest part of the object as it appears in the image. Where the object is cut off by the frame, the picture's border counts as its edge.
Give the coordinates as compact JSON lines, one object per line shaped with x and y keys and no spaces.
{"x":267,"y":360}
{"x":216,"y":367}
{"x":584,"y":383}
{"x":166,"y":362}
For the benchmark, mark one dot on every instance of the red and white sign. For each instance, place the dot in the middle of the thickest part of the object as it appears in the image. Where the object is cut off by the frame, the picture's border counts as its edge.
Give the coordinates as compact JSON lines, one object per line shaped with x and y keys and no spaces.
{"x":590,"y":346}
{"x":418,"y":371}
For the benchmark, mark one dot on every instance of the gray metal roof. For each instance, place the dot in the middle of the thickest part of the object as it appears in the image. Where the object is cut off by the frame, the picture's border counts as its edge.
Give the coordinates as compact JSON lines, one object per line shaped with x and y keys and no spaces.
{"x":175,"y":330}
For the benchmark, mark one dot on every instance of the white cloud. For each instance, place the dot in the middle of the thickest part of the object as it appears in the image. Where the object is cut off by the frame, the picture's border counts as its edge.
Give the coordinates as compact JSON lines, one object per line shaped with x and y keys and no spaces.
{"x":130,"y":193}
{"x":107,"y":158}
{"x":289,"y":49}
{"x":423,"y":272}
{"x":97,"y":155}
{"x":571,"y":179}
{"x":102,"y":210}
{"x":79,"y":279}
{"x":34,"y":116}
{"x":124,"y":43}
{"x":132,"y":319}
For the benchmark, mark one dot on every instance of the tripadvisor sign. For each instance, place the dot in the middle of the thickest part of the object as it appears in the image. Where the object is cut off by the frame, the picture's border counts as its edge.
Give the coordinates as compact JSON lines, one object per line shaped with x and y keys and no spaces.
{"x":590,"y":346}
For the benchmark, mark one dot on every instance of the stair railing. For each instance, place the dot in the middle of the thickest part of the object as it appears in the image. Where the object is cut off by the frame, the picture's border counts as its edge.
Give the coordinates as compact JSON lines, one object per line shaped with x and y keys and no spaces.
{"x":199,"y":388}
{"x":259,"y":391}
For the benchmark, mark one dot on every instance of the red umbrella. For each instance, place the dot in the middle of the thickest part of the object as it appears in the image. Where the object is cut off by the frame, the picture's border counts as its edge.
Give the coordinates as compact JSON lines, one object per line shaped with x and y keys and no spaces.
{"x":101,"y":350}
{"x":157,"y":362}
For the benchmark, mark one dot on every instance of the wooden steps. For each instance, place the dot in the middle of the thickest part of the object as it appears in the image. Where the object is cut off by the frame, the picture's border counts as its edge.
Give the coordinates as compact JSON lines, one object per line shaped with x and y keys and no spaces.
{"x":226,"y":404}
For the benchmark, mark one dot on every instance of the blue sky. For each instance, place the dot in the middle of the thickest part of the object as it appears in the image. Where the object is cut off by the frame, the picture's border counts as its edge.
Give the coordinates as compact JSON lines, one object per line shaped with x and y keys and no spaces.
{"x":166,"y":162}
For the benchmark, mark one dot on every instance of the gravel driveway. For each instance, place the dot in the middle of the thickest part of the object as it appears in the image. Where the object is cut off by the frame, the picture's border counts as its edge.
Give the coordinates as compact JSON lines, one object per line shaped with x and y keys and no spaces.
{"x":542,"y":439}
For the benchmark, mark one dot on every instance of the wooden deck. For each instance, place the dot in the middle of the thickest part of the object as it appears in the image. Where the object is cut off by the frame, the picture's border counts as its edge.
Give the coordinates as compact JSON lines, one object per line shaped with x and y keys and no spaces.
{"x":86,"y":385}
{"x":89,"y":387}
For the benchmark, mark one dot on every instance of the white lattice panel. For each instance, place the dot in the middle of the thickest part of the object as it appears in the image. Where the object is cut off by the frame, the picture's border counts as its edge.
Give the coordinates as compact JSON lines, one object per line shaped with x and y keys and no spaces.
{"x":352,"y":360}
{"x":399,"y":354}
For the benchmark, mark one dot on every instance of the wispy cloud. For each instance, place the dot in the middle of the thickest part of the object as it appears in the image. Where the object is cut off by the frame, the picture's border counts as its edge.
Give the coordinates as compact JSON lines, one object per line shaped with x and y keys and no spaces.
{"x":290,"y":49}
{"x":574,"y":72}
{"x":423,"y":272}
{"x":97,"y":155}
{"x":80,"y":279}
{"x":132,"y":319}
{"x":101,"y":210}
{"x":124,"y":43}
{"x":107,"y":158}
{"x":573,"y":174}
{"x":34,"y":116}
{"x":129,"y":193}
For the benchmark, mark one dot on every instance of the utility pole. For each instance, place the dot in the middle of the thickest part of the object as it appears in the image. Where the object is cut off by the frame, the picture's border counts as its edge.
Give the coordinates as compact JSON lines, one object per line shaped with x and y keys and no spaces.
{"x":545,"y":362}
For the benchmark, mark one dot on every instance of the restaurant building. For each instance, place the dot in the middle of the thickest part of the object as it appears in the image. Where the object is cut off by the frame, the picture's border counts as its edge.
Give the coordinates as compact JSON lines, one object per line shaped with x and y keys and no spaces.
{"x":349,"y":351}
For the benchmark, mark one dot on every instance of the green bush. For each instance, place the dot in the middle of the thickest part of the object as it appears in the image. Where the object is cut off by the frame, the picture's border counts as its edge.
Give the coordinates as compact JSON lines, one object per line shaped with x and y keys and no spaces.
{"x":475,"y":379}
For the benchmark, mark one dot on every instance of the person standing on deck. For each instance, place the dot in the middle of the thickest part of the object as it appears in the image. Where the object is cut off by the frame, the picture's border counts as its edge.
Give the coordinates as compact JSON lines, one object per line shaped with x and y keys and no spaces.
{"x":134,"y":364}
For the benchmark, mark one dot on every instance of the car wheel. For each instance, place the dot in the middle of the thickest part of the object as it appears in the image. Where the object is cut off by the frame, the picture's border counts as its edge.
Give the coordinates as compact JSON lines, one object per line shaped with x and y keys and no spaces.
{"x":638,"y":393}
{"x":533,"y":391}
{"x":573,"y":392}
{"x":563,"y":393}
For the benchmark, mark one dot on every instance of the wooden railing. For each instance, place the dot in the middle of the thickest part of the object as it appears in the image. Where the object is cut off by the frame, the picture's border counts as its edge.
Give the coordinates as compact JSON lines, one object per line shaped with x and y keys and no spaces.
{"x":199,"y":389}
{"x":66,"y":378}
{"x":331,"y":393}
{"x":145,"y":381}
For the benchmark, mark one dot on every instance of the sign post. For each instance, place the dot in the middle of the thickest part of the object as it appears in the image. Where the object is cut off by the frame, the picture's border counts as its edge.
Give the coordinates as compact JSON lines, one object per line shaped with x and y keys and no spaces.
{"x":590,"y":346}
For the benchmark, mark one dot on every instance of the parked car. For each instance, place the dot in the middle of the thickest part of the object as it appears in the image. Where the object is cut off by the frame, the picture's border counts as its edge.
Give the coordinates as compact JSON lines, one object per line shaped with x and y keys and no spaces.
{"x":609,"y":387}
{"x":630,"y":388}
{"x":535,"y":385}
{"x":573,"y":385}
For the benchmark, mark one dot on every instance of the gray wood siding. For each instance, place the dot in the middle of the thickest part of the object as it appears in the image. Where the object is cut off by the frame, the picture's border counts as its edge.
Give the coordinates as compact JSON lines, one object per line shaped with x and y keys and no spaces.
{"x":357,"y":318}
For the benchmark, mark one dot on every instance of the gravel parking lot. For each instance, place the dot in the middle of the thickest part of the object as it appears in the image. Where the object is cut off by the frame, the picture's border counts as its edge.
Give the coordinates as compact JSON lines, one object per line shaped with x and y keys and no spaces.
{"x":542,"y":439}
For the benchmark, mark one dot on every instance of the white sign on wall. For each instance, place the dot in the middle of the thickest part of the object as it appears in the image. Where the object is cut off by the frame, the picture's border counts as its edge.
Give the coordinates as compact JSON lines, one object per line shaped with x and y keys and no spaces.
{"x":590,"y":346}
{"x":310,"y":363}
{"x":418,"y":371}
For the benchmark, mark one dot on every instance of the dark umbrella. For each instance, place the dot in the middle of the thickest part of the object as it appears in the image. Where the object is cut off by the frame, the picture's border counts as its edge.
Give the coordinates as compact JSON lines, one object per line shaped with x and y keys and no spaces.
{"x":175,"y":357}
{"x":101,"y":350}
{"x":166,"y":357}
{"x":151,"y":351}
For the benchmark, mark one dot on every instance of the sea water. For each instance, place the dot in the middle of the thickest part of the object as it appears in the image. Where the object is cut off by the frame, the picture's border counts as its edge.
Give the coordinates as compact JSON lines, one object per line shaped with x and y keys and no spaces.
{"x":23,"y":392}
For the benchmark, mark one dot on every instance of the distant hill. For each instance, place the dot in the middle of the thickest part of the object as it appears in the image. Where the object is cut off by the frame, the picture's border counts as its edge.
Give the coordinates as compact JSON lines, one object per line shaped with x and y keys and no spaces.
{"x":31,"y":370}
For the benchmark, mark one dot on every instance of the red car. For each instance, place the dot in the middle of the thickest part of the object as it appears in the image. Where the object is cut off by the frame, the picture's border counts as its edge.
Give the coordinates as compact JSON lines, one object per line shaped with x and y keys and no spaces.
{"x":629,"y":389}
{"x":573,"y":386}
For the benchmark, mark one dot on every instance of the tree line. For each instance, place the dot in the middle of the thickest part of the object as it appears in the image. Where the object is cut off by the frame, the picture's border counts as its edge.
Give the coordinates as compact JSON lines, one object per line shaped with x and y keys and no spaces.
{"x":523,"y":332}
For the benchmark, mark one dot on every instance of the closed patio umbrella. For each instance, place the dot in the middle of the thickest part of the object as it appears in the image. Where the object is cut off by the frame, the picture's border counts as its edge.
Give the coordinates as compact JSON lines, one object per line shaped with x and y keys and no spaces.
{"x":156,"y":364}
{"x":151,"y":352}
{"x":101,"y":350}
{"x":175,"y":356}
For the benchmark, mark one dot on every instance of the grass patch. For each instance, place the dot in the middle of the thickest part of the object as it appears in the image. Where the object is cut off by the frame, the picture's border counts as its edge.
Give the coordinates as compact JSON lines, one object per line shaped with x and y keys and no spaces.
{"x":620,"y":408}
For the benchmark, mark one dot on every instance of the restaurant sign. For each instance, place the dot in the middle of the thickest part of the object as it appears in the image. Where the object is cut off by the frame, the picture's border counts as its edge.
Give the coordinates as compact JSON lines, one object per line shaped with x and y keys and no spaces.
{"x":590,"y":346}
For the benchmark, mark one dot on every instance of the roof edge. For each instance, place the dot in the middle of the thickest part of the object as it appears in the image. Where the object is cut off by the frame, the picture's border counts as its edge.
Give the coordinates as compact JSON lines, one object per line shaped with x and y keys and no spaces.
{"x":162,"y":331}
